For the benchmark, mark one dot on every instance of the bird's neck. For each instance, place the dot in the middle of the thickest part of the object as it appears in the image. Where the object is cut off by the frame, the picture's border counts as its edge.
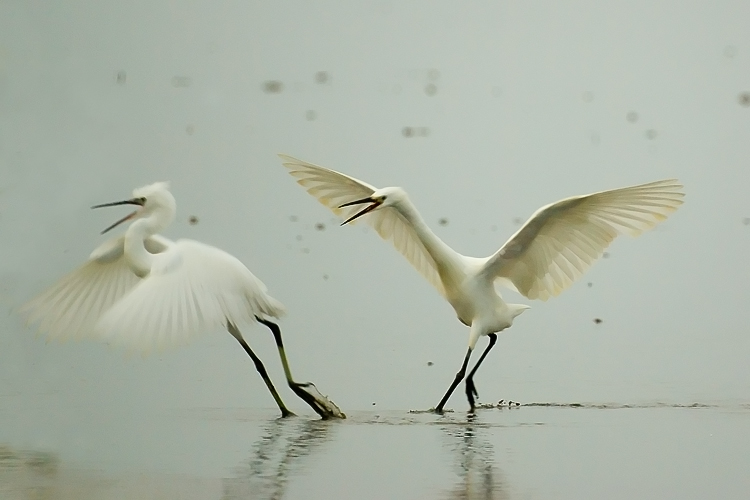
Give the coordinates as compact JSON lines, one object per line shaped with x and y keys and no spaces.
{"x":443,"y":255}
{"x":138,"y":258}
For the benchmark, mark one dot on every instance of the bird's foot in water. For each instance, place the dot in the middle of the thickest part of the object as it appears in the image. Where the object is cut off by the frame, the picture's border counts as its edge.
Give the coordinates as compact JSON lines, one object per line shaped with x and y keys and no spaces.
{"x":471,"y":393}
{"x":317,"y":401}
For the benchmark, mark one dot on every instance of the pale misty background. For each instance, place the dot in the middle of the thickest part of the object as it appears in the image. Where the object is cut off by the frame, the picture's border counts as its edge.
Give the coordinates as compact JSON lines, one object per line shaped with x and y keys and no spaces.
{"x":482,"y":112}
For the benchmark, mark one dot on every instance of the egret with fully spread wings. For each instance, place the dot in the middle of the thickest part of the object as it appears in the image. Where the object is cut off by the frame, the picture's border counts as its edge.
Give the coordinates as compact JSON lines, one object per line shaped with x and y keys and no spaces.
{"x":552,"y":249}
{"x":144,"y":291}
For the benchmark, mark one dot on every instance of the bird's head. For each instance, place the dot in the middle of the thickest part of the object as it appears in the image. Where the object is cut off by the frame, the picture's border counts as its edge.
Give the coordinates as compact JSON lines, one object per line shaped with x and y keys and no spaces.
{"x":154,"y":198}
{"x":380,"y":198}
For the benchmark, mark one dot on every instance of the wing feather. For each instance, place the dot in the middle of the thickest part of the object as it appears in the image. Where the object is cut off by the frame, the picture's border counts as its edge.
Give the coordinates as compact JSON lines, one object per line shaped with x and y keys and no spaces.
{"x":333,"y":189}
{"x":70,"y":308}
{"x":192,"y":289}
{"x":561,"y":241}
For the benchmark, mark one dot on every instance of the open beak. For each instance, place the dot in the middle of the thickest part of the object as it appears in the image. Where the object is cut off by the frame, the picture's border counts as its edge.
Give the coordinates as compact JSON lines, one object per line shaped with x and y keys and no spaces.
{"x":133,"y":201}
{"x":374,"y":204}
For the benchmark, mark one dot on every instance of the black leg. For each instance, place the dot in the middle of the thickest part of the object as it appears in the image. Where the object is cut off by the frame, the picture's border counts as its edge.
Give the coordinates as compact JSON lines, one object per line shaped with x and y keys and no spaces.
{"x":261,"y":369}
{"x":471,"y":390}
{"x":456,"y":381}
{"x":305,"y":390}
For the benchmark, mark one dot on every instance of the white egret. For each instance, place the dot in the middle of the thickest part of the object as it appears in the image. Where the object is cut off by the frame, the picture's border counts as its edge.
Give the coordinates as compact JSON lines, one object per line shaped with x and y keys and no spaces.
{"x":552,"y":249}
{"x":143,"y":291}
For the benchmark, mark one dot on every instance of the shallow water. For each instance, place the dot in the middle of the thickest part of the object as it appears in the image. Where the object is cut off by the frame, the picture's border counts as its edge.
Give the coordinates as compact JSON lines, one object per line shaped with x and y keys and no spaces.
{"x":537,"y":450}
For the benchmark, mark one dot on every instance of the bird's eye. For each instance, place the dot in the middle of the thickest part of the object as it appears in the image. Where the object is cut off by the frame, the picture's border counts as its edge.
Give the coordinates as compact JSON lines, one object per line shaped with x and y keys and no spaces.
{"x":143,"y":199}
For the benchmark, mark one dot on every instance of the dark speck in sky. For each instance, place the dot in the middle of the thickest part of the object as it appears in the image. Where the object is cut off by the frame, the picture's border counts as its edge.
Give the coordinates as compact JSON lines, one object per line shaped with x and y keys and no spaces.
{"x":605,"y":255}
{"x":273,"y":87}
{"x":632,"y":117}
{"x":430,"y":89}
{"x":744,"y":99}
{"x":415,"y":131}
{"x":183,"y":82}
{"x":321,"y":77}
{"x":443,"y":221}
{"x":121,"y":78}
{"x":746,"y":221}
{"x":292,"y":218}
{"x":651,"y":134}
{"x":193,"y":220}
{"x":597,"y":320}
{"x":320,"y":226}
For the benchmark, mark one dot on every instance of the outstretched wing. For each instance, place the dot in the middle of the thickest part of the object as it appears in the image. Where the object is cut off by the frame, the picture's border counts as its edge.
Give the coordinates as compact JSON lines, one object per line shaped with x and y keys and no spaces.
{"x":562,"y":240}
{"x":70,"y":308}
{"x":333,"y":189}
{"x":192,"y":289}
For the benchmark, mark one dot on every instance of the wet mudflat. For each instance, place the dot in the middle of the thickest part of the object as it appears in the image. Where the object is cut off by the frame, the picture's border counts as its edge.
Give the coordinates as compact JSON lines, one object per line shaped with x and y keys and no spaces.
{"x":559,"y":451}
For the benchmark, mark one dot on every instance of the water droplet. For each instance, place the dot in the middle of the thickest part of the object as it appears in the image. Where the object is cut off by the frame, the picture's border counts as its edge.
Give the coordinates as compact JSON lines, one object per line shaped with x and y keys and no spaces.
{"x":181,"y":82}
{"x":273,"y":87}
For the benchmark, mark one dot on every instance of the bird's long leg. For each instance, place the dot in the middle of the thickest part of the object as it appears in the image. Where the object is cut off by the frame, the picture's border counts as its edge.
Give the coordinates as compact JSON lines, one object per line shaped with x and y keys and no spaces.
{"x":471,"y":390}
{"x":261,"y":369}
{"x":305,"y":390}
{"x":456,"y":381}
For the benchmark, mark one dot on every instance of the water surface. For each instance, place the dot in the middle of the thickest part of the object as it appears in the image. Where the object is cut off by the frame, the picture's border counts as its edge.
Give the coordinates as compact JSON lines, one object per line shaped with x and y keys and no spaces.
{"x":542,"y":450}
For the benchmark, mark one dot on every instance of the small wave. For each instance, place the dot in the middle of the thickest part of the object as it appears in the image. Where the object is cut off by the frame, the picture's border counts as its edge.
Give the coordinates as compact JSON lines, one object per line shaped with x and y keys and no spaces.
{"x":618,"y":406}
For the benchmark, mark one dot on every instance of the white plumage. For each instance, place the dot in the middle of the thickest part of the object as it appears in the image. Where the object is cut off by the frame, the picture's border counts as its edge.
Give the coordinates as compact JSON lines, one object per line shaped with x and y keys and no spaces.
{"x":187,"y":288}
{"x":552,"y":249}
{"x":143,"y":291}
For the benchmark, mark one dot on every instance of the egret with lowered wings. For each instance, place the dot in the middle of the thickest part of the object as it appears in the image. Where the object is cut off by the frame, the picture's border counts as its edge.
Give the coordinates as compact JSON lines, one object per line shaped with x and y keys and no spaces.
{"x":552,"y":249}
{"x":144,"y":291}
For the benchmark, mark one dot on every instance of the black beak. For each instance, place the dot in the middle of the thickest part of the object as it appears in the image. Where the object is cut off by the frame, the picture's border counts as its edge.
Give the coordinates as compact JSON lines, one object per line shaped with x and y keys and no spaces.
{"x":369,"y":208}
{"x":133,"y":201}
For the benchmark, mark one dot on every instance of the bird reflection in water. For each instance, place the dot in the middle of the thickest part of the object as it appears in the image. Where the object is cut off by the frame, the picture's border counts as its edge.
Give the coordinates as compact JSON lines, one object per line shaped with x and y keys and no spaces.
{"x":479,"y":478}
{"x":277,"y":457}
